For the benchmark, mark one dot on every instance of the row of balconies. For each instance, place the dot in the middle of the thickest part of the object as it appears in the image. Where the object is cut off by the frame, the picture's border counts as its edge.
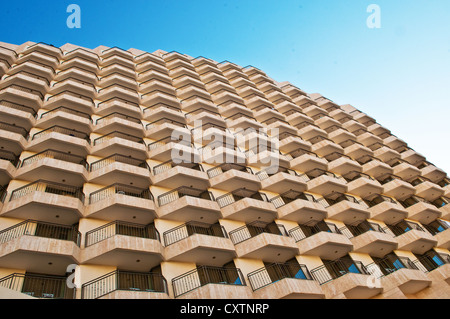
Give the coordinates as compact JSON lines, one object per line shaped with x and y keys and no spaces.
{"x":406,"y":275}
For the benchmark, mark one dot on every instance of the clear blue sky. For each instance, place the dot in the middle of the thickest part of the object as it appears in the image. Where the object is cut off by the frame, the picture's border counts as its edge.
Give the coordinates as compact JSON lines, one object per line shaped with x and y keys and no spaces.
{"x":399,"y":74}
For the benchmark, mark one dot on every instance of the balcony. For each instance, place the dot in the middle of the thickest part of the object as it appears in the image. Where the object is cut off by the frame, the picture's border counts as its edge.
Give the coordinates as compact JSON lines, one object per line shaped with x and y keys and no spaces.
{"x":78,"y":68}
{"x":79,"y":102}
{"x":323,"y":146}
{"x":308,"y":130}
{"x":38,"y":286}
{"x":53,"y":166}
{"x":291,"y":142}
{"x":299,"y":207}
{"x":120,"y":169}
{"x":321,"y":239}
{"x":305,"y":161}
{"x":39,"y":247}
{"x":122,"y":202}
{"x":8,"y":162}
{"x":339,"y":134}
{"x":155,"y":84}
{"x":34,"y":67}
{"x":22,"y":95}
{"x":188,"y":204}
{"x":433,"y":173}
{"x":46,"y":201}
{"x":120,"y":284}
{"x":28,"y":80}
{"x":280,"y":179}
{"x":435,"y":265}
{"x":157,"y":111}
{"x":20,"y":115}
{"x":118,"y":105}
{"x":7,"y":56}
{"x":125,"y":245}
{"x":13,"y":138}
{"x":355,"y":149}
{"x":374,"y":167}
{"x":198,"y":243}
{"x":399,"y":272}
{"x":284,"y":281}
{"x":65,"y":117}
{"x":207,"y":282}
{"x":420,"y":209}
{"x":119,"y":122}
{"x":173,"y":146}
{"x":163,"y":127}
{"x":247,"y":206}
{"x":394,"y":142}
{"x":412,"y":237}
{"x":265,"y":241}
{"x":386,"y":209}
{"x":265,"y":156}
{"x":440,"y":230}
{"x":156,"y":97}
{"x":341,"y":164}
{"x":366,"y":138}
{"x":405,"y":170}
{"x":117,"y":142}
{"x":348,"y":277}
{"x":212,"y":134}
{"x":395,"y":187}
{"x":227,"y":175}
{"x":370,"y":238}
{"x":62,"y":139}
{"x":385,"y":153}
{"x":362,"y":185}
{"x":442,"y":204}
{"x":174,"y":173}
{"x":73,"y":85}
{"x":345,"y":208}
{"x":427,"y":189}
{"x":323,"y":182}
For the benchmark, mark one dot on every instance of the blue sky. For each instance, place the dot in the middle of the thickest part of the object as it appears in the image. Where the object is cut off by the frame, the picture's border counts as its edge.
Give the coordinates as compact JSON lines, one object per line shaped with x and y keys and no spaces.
{"x":399,"y":74}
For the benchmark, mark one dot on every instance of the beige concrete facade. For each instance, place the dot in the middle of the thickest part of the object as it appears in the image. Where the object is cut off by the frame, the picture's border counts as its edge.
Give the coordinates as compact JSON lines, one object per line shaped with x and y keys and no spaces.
{"x":144,"y":173}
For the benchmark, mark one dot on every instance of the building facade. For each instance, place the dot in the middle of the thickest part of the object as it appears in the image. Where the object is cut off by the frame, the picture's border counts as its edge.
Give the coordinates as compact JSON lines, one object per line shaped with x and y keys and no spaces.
{"x":128,"y":174}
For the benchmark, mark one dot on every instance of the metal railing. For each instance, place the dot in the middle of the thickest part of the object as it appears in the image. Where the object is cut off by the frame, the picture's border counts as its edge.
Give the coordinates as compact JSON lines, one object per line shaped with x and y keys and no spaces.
{"x":55,"y":155}
{"x":182,"y":191}
{"x":41,"y":229}
{"x":120,"y":189}
{"x":14,"y":129}
{"x":390,"y":264}
{"x":118,"y":134}
{"x":304,"y":231}
{"x":48,"y":187}
{"x":68,"y":110}
{"x":118,"y":158}
{"x":61,"y":130}
{"x":118,"y":99}
{"x":404,"y":226}
{"x":19,"y":107}
{"x":222,"y":168}
{"x":169,"y":139}
{"x":361,"y":228}
{"x":204,"y":275}
{"x":254,"y":229}
{"x":164,"y":120}
{"x":290,"y":196}
{"x":163,"y":167}
{"x":121,"y":228}
{"x":73,"y":94}
{"x":119,"y":116}
{"x":272,"y":170}
{"x":123,"y":280}
{"x":181,"y":232}
{"x":334,"y":269}
{"x":39,"y":286}
{"x":239,"y":194}
{"x":9,"y":156}
{"x":25,"y":89}
{"x":272,"y":273}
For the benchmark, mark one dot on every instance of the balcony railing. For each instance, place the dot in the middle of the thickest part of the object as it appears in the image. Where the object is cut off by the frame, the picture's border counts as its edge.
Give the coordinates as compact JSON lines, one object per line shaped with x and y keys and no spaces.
{"x":117,"y":158}
{"x":163,"y":167}
{"x":239,"y":194}
{"x":304,"y":231}
{"x":26,"y":90}
{"x":9,"y":156}
{"x":48,"y":187}
{"x":39,"y":286}
{"x":380,"y":199}
{"x":254,"y":229}
{"x":337,"y":268}
{"x":404,"y":226}
{"x":120,"y":189}
{"x":166,"y":140}
{"x":55,"y":155}
{"x":68,"y":110}
{"x":272,"y":273}
{"x":291,"y":196}
{"x":118,"y":134}
{"x":432,"y":260}
{"x":41,"y":229}
{"x":190,"y":228}
{"x":162,"y":121}
{"x":61,"y":130}
{"x":123,"y":280}
{"x":390,"y":264}
{"x":14,"y":129}
{"x":19,"y":107}
{"x":437,"y":226}
{"x":119,"y":116}
{"x":365,"y":226}
{"x":222,"y":168}
{"x":182,"y":191}
{"x":121,"y":228}
{"x":272,"y":170}
{"x":204,"y":275}
{"x":73,"y":94}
